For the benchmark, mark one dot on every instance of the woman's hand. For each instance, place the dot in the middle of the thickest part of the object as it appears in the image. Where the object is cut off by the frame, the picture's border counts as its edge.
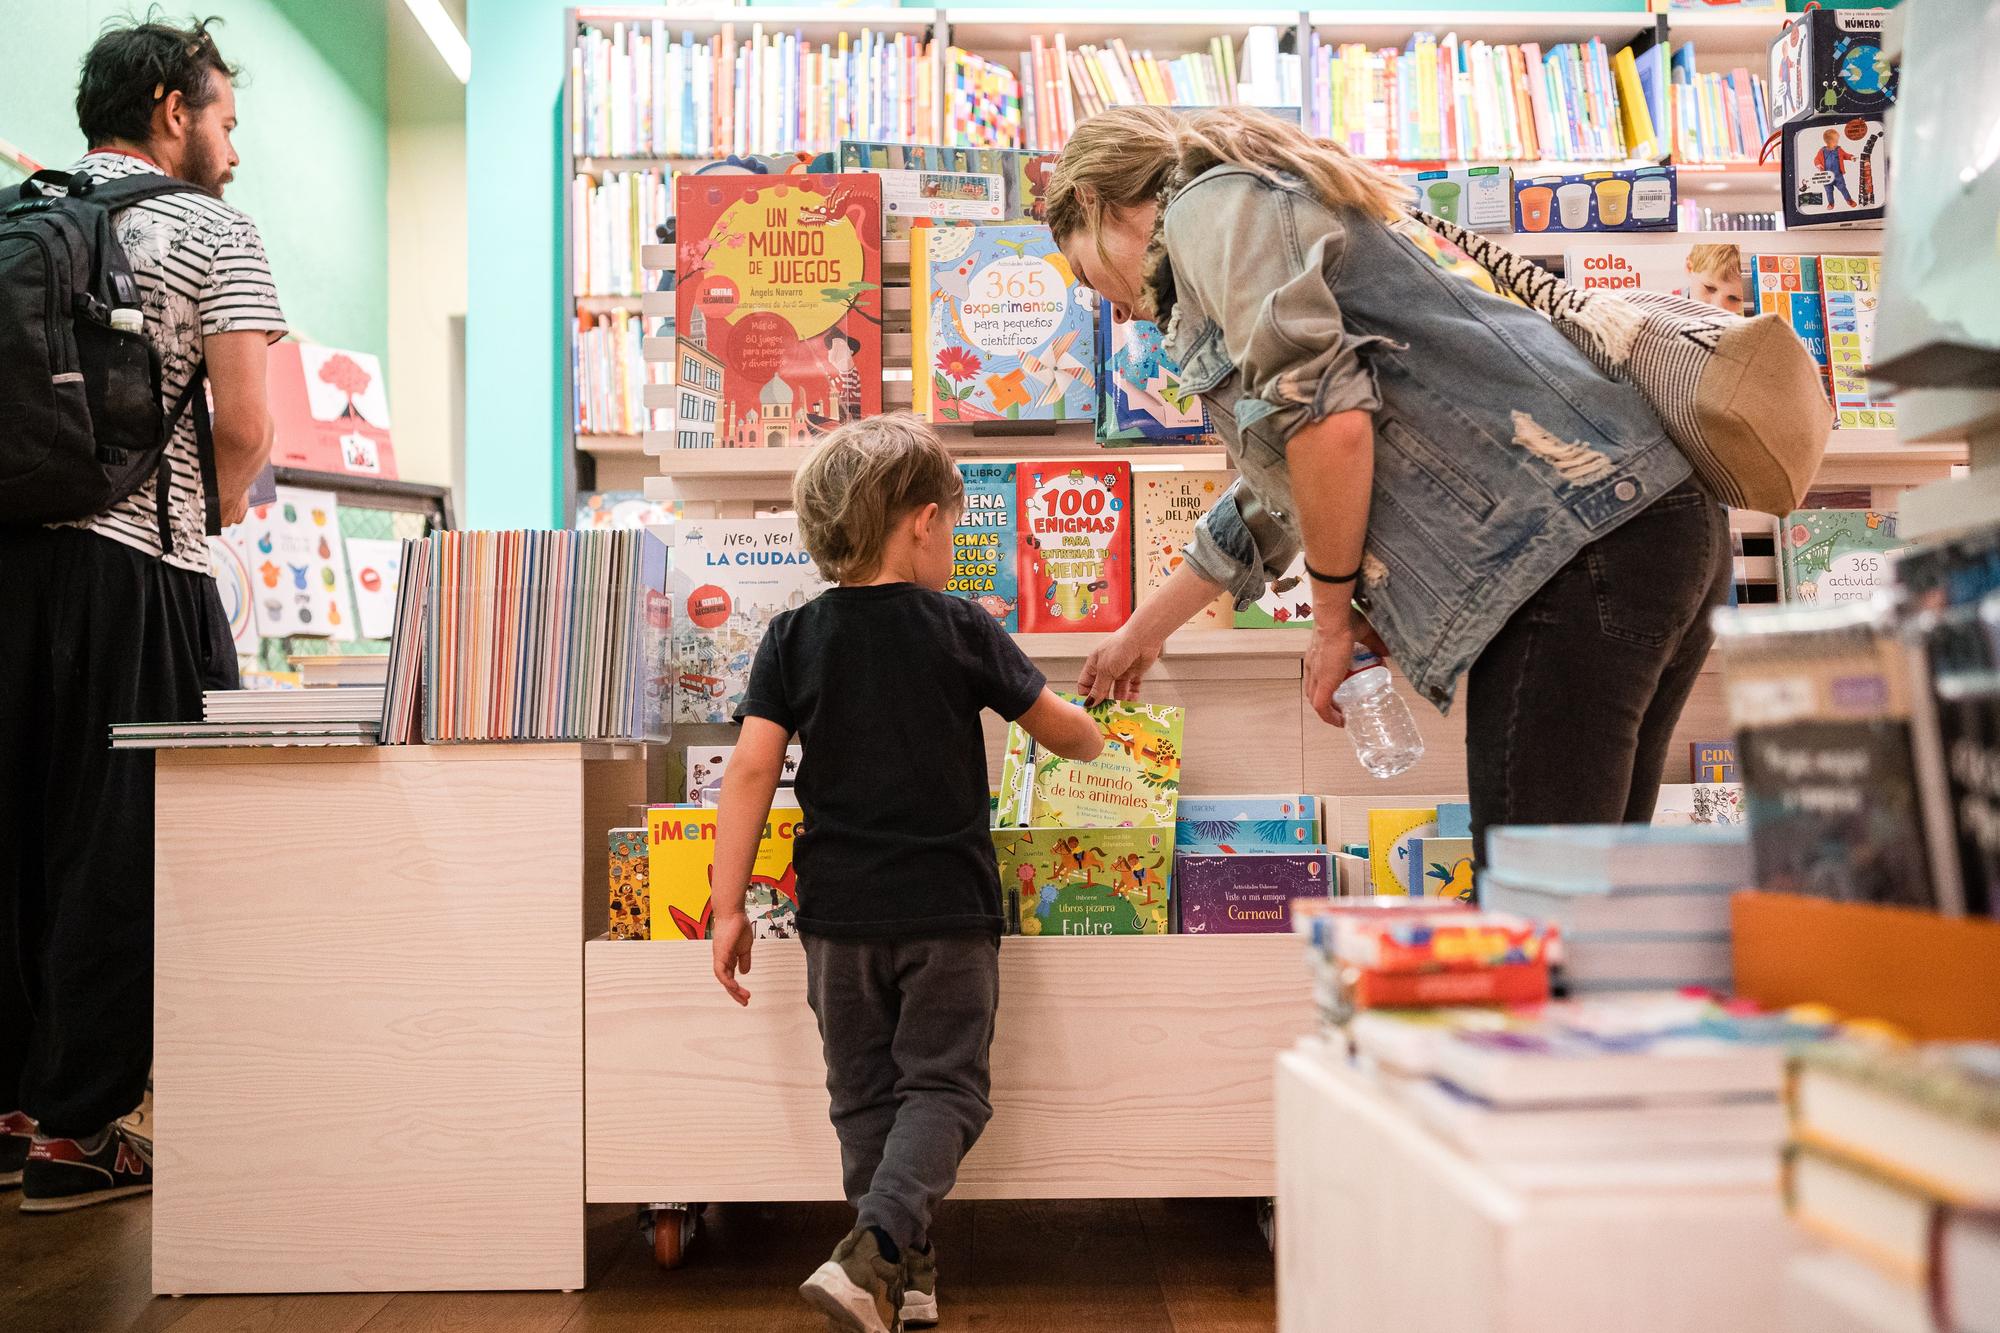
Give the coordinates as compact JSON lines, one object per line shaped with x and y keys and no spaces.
{"x":1120,"y":663}
{"x":1330,"y":656}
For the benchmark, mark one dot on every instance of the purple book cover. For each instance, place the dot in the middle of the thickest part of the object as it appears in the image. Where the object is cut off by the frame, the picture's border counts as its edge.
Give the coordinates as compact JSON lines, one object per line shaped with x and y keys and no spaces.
{"x":1247,"y":892}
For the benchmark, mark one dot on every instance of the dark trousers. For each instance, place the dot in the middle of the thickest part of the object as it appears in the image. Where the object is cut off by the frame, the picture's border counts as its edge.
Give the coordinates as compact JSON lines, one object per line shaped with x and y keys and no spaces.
{"x":91,"y":633}
{"x":906,"y":1025}
{"x":1571,"y":708}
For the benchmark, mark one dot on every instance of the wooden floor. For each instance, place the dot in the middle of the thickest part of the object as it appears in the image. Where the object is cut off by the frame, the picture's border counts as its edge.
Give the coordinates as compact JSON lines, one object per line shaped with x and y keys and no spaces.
{"x":1176,"y":1266}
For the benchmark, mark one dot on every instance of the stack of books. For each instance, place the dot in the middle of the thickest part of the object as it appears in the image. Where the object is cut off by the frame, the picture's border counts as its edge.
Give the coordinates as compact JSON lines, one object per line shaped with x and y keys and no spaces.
{"x":610,"y":372}
{"x":1671,"y":1088}
{"x":1895,"y":1160}
{"x":1087,"y":848}
{"x":1717,"y":117}
{"x":331,"y":715}
{"x":1639,"y":908}
{"x":1441,"y":953}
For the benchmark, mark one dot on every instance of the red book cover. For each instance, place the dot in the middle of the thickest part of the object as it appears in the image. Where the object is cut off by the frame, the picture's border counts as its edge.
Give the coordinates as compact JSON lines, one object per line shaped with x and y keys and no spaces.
{"x":1075,"y":524}
{"x":780,"y":279}
{"x":1514,"y":983}
{"x":329,"y":411}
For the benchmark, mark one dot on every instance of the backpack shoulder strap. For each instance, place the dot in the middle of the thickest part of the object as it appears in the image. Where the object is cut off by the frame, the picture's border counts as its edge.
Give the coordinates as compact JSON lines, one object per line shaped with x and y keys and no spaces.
{"x":129,"y":190}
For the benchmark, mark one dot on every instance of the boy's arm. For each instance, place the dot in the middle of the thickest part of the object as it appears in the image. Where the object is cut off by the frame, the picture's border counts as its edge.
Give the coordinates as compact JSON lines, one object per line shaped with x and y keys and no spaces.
{"x":1061,"y":726}
{"x":747,"y":787}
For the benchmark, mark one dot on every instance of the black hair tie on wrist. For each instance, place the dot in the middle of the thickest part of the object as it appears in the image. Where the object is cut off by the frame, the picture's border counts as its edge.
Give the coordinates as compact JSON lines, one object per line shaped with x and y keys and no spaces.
{"x":1318,"y":577}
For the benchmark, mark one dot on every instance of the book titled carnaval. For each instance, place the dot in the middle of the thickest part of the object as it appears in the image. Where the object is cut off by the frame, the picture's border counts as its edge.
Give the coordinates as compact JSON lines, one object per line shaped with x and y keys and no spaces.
{"x":780,"y":280}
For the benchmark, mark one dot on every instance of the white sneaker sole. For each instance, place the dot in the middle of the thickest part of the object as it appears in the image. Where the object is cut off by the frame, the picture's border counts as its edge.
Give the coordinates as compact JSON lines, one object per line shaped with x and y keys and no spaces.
{"x":70,"y":1203}
{"x":919,"y":1308}
{"x":833,"y":1293}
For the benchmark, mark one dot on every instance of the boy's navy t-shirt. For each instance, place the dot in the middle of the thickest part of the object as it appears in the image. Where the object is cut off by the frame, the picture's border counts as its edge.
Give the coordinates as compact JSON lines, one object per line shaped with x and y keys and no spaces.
{"x":884,"y":686}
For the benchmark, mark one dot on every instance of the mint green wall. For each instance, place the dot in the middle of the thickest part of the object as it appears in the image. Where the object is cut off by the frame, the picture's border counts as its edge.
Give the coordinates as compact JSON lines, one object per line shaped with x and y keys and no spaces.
{"x":312,"y":114}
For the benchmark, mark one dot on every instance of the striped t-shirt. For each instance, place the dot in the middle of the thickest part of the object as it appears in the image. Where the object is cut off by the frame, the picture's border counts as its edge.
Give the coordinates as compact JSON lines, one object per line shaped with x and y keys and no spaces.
{"x":201,"y":271}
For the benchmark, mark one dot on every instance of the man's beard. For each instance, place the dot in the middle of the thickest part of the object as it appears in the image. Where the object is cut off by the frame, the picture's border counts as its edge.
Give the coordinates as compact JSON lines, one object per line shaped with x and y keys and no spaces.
{"x":202,"y":166}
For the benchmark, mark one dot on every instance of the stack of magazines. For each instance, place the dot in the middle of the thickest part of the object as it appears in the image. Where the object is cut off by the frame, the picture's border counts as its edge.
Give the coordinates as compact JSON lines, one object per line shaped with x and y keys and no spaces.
{"x":335,"y":715}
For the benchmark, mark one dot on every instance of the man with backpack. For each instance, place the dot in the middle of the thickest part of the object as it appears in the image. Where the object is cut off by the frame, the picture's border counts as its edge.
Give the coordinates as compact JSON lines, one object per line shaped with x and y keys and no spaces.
{"x":126,"y":286}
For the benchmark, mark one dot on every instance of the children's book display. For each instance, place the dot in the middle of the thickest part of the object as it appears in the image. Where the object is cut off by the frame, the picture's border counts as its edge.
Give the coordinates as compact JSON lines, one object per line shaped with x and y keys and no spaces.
{"x":631,"y":905}
{"x":375,"y":567}
{"x":985,"y":545}
{"x":1245,"y":891}
{"x":542,"y":635}
{"x":329,"y":411}
{"x":780,"y":279}
{"x":1088,"y":847}
{"x":1788,"y":285}
{"x":1476,"y":198}
{"x":1024,"y":175}
{"x":1829,"y":556}
{"x":1393,"y":838}
{"x":704,"y":765}
{"x":1719,"y":117}
{"x":730,"y":578}
{"x":681,"y":871}
{"x":1141,"y":397}
{"x":1834,"y":171}
{"x":1443,"y":953}
{"x":1075,"y":570}
{"x":1231,"y":824}
{"x":621,"y":509}
{"x":1831,"y":62}
{"x":1851,"y":291}
{"x":1285,"y":603}
{"x":1168,"y":506}
{"x":1008,"y":332}
{"x":298,"y":565}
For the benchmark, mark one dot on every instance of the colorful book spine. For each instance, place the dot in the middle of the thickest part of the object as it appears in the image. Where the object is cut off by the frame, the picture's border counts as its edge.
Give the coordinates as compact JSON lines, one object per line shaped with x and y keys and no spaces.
{"x":1247,"y":823}
{"x":631,"y":899}
{"x":1714,"y":761}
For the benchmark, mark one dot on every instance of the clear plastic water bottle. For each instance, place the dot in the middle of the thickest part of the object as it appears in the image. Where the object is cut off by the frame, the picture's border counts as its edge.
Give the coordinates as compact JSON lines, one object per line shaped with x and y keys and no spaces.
{"x":126,"y":320}
{"x":1385,"y":736}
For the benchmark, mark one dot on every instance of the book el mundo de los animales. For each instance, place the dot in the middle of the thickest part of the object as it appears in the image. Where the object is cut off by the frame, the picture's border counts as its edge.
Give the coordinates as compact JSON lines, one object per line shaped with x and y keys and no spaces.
{"x":1135,"y":781}
{"x":780,"y":279}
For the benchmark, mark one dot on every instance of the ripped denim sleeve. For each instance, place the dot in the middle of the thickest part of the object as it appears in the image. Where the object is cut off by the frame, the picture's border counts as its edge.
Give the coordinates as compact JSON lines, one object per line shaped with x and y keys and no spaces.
{"x":1226,"y":553}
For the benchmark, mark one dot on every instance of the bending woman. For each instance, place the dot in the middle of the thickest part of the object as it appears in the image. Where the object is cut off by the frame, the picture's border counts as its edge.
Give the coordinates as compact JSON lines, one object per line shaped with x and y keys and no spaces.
{"x":1452,"y":468}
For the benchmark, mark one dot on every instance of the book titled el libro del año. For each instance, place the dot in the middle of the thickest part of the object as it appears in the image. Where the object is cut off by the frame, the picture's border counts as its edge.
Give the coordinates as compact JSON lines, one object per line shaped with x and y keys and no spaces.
{"x":780,"y":279}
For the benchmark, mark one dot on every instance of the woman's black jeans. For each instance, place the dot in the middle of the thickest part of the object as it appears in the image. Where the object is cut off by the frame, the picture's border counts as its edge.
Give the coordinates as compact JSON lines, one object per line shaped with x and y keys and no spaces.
{"x":1571,"y":708}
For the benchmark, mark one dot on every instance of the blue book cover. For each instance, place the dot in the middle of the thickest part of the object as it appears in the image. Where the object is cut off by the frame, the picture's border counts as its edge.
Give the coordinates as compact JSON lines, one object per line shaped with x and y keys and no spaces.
{"x":1010,"y":332}
{"x":1454,"y":820}
{"x":983,"y":544}
{"x":1143,"y":385}
{"x":1247,"y":823}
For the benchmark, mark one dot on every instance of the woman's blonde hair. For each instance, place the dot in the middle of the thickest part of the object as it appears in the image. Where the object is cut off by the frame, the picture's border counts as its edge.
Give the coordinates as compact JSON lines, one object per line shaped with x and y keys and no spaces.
{"x":1122,"y":157}
{"x":860,"y":480}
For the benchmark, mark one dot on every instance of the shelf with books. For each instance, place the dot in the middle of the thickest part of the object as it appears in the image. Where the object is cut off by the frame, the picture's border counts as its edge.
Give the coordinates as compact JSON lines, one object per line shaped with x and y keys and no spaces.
{"x":1742,"y":37}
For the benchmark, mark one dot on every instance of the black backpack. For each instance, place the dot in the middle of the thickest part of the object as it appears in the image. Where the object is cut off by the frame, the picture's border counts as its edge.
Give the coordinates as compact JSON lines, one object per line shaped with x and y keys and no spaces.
{"x":82,"y":420}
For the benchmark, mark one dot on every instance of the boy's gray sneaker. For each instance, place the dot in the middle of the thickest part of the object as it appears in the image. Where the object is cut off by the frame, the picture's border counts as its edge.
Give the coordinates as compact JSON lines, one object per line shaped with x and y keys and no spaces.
{"x":857,"y":1289}
{"x":920,"y":1288}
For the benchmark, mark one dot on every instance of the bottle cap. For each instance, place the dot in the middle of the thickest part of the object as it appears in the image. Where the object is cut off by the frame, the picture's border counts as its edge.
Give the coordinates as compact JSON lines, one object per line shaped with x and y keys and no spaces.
{"x":127,"y":320}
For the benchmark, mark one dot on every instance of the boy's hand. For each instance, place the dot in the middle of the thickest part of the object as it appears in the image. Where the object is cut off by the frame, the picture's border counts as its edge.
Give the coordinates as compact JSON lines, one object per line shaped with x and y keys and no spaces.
{"x":730,"y":938}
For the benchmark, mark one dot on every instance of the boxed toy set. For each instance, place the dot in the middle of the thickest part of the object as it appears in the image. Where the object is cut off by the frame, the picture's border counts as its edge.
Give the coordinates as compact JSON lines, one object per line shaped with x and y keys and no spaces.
{"x":1639,"y":199}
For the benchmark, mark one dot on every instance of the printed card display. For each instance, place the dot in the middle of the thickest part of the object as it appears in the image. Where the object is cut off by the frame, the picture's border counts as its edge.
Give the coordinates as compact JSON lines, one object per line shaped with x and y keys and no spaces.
{"x":954,"y":195}
{"x":1393,"y":836}
{"x":1699,"y":803}
{"x":985,"y":545}
{"x":1833,"y":171}
{"x":298,"y":566}
{"x":1169,"y":504}
{"x":1442,"y":868}
{"x":730,"y":578}
{"x":1008,"y":332}
{"x":1247,"y":893}
{"x":1713,"y":274}
{"x":681,"y":869}
{"x":1286,"y":602}
{"x":1087,"y":881}
{"x":376,"y":567}
{"x":1076,"y":546}
{"x":780,"y":279}
{"x":329,"y":411}
{"x":705,"y":764}
{"x":1851,"y":290}
{"x":1135,"y":781}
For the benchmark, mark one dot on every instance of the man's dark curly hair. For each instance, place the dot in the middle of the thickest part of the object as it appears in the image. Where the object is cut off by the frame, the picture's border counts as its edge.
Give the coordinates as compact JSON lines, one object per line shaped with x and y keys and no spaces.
{"x":134,"y":65}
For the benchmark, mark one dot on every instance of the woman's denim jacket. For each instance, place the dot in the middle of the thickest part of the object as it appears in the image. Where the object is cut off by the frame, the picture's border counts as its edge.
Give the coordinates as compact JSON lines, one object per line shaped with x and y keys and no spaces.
{"x":1500,"y":451}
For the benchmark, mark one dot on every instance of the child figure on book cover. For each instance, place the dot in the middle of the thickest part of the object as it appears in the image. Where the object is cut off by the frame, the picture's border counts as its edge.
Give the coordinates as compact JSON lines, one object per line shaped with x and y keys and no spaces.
{"x":883,"y":678}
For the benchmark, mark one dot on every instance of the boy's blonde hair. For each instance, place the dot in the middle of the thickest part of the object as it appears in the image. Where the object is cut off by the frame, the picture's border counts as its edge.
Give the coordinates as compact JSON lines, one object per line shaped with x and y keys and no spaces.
{"x":1121,"y":157}
{"x":1724,"y":263}
{"x":861,"y":479}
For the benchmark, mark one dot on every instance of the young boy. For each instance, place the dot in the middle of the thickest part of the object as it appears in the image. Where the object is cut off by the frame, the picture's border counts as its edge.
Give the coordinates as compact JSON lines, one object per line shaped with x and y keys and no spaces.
{"x":1715,"y":277}
{"x":883,"y":678}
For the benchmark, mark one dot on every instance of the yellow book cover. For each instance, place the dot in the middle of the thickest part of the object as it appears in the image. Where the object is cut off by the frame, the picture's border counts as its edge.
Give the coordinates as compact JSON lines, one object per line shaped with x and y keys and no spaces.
{"x":1637,"y":116}
{"x":1392,"y":848}
{"x":681,"y":865}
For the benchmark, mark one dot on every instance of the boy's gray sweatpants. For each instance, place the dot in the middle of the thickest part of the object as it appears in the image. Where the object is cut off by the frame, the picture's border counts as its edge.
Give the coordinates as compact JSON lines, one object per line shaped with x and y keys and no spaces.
{"x":906,"y":1025}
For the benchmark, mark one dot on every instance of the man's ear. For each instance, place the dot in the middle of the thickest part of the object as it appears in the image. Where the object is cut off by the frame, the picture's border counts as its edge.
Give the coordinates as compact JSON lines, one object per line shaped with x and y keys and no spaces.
{"x":171,"y":116}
